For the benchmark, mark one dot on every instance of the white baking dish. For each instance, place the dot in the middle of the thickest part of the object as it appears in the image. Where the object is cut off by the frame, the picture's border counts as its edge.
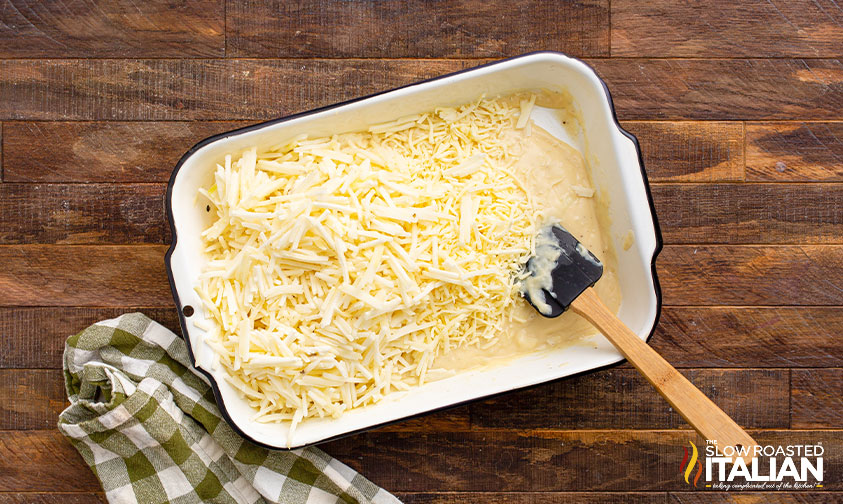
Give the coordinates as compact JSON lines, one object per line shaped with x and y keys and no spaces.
{"x":617,"y":171}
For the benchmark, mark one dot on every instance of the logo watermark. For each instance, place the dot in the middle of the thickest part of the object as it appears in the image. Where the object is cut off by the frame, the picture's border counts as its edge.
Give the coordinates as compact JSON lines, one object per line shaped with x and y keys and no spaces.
{"x":762,"y":467}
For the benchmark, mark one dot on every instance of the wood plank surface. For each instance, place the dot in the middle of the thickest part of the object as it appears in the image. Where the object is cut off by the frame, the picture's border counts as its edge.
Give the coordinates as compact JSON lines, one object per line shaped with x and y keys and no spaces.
{"x":115,"y":276}
{"x":35,"y":336}
{"x":680,"y":151}
{"x":750,"y":337}
{"x":112,"y":29}
{"x":142,"y":151}
{"x":533,"y":498}
{"x":737,"y":110}
{"x":51,"y":498}
{"x":416,"y":29}
{"x":817,"y":398}
{"x":83,"y":213}
{"x":165,"y":89}
{"x":751,"y":275}
{"x":42,"y":461}
{"x":100,"y":151}
{"x":471,"y":461}
{"x":622,"y":399}
{"x":690,"y":151}
{"x":453,"y":419}
{"x":688,"y":213}
{"x":610,"y":399}
{"x":721,"y":89}
{"x":45,"y":398}
{"x":775,"y":497}
{"x":778,"y":497}
{"x":742,"y":213}
{"x":543,"y":461}
{"x":711,"y":28}
{"x":800,"y":151}
{"x":36,"y":275}
{"x":743,"y":497}
{"x":709,"y":337}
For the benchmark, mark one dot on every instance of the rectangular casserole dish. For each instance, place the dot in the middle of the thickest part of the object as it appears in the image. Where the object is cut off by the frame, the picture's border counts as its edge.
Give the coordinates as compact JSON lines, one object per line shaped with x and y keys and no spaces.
{"x":617,"y":171}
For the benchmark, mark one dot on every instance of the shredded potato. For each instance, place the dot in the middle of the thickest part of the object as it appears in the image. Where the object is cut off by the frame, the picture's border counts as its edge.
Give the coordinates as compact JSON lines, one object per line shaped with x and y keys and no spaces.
{"x":340,"y":267}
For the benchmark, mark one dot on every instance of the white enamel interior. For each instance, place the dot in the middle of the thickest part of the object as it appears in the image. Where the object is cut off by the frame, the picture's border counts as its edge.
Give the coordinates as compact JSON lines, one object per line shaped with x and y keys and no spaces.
{"x":616,"y":173}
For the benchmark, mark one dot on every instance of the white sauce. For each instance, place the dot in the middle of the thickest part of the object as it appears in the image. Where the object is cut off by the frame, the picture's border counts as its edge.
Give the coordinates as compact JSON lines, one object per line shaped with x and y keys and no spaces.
{"x":548,"y":255}
{"x":542,"y":265}
{"x":585,"y":255}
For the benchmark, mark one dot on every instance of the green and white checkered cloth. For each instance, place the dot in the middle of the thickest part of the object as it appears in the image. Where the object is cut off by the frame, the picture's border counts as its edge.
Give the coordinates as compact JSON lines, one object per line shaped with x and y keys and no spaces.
{"x":148,"y":426}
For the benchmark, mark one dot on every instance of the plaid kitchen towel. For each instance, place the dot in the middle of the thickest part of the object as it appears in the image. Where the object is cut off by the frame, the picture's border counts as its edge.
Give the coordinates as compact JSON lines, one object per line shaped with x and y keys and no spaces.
{"x":148,"y":426}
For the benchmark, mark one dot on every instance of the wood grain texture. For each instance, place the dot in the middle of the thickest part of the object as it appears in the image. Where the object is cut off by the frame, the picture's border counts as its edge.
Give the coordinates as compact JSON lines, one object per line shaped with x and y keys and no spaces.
{"x":743,"y":213}
{"x":416,"y":29}
{"x":42,"y":461}
{"x":611,"y":399}
{"x":519,"y":498}
{"x":51,"y":498}
{"x":34,"y":337}
{"x":112,"y":29}
{"x":38,"y":275}
{"x":704,"y":89}
{"x":687,"y":337}
{"x":165,"y":89}
{"x":761,"y":276}
{"x":802,"y":151}
{"x":484,"y":461}
{"x":100,"y":151}
{"x":755,"y":28}
{"x":162,"y":89}
{"x":82,"y":213}
{"x":144,"y":151}
{"x":111,"y":276}
{"x":778,"y":497}
{"x":688,"y":213}
{"x":622,"y":399}
{"x":490,"y":461}
{"x":44,"y":395}
{"x":99,"y":99}
{"x":454,"y":419}
{"x":690,"y":151}
{"x":46,"y":398}
{"x":683,"y":151}
{"x":750,"y":337}
{"x":817,"y":398}
{"x":533,"y":498}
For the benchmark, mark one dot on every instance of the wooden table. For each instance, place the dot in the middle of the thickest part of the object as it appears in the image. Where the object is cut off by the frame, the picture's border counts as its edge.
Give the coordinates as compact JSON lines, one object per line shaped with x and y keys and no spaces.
{"x":737,"y":109}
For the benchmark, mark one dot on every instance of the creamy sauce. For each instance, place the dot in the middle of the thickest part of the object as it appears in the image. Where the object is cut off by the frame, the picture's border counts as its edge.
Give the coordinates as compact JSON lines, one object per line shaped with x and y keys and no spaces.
{"x":554,"y":174}
{"x":544,"y":261}
{"x":628,"y":240}
{"x":541,"y":267}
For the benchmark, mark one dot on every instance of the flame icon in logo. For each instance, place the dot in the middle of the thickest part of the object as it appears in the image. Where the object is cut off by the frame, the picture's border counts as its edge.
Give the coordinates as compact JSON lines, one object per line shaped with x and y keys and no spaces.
{"x":687,"y":467}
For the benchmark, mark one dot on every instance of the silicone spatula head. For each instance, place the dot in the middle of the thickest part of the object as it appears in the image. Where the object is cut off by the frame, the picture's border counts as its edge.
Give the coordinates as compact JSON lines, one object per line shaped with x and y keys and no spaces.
{"x":561,"y":269}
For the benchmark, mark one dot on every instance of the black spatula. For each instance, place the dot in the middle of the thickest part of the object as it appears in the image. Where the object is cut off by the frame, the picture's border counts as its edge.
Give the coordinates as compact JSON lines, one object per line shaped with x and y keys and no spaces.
{"x":562,"y":273}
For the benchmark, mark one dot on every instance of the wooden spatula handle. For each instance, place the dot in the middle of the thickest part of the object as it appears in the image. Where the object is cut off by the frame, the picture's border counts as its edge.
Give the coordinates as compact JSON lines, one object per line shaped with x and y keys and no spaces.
{"x":697,"y":409}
